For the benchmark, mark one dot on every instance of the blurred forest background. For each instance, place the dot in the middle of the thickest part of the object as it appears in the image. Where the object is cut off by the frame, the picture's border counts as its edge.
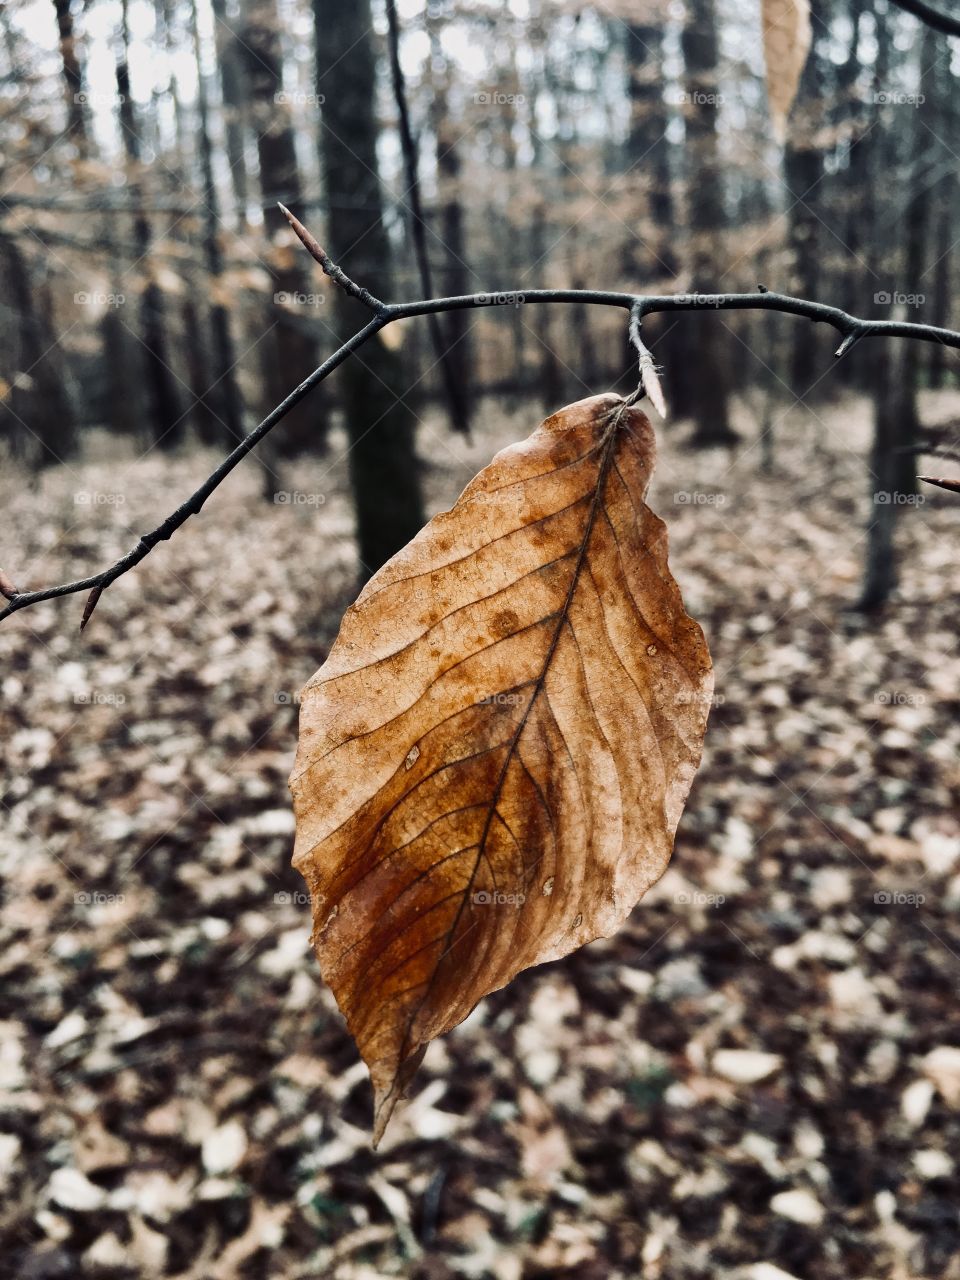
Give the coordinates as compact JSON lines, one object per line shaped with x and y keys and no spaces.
{"x":759,"y":1076}
{"x":153,"y":288}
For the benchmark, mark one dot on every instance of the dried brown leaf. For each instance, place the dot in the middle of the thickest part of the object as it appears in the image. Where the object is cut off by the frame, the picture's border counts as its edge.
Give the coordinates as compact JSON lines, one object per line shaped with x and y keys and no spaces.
{"x":787,"y":35}
{"x":495,"y":755}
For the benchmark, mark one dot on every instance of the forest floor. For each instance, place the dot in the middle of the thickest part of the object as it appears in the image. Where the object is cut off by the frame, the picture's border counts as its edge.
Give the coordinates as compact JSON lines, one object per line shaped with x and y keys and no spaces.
{"x":758,"y":1078}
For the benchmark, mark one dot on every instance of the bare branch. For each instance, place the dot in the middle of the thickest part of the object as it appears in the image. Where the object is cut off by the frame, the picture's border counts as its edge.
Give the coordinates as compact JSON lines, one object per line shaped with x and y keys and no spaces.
{"x":931,"y":16}
{"x":639,"y":306}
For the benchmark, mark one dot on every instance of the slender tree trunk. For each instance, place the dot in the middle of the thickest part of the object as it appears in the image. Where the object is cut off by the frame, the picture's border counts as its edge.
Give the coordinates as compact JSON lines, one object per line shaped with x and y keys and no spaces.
{"x":72,"y":76}
{"x":196,"y":350}
{"x":884,"y":364}
{"x":230,"y":60}
{"x":551,"y":375}
{"x":917,"y":228}
{"x":224,"y":395}
{"x":384,"y":469}
{"x":943,"y":205}
{"x":803,"y":171}
{"x":892,"y":400}
{"x":38,"y":418}
{"x":707,"y":373}
{"x":455,"y":275}
{"x":166,"y":420}
{"x":652,"y":256}
{"x":849,"y":117}
{"x":289,"y":352}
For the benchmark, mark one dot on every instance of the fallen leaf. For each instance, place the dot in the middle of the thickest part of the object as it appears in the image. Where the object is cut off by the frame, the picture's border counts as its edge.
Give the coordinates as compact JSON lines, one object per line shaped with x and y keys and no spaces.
{"x":745,"y":1066}
{"x":942,"y":1067}
{"x":494,"y":758}
{"x":224,"y":1148}
{"x":787,"y":35}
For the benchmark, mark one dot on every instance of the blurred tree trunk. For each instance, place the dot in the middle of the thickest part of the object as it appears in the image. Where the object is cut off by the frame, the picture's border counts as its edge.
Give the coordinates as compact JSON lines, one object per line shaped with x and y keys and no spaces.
{"x":851,"y":118}
{"x":653,"y":217}
{"x":196,"y":352}
{"x":514,"y":244}
{"x":166,"y":420}
{"x":917,"y":230}
{"x":894,"y":363}
{"x":871,"y":155}
{"x":229,"y":61}
{"x":289,"y":352}
{"x":224,"y":393}
{"x":38,"y":416}
{"x":166,"y":36}
{"x":72,"y":77}
{"x":384,"y":469}
{"x":883,"y":358}
{"x":892,"y":403}
{"x":942,"y":100}
{"x":455,"y":277}
{"x":803,"y":171}
{"x":551,"y":380}
{"x":707,"y":373}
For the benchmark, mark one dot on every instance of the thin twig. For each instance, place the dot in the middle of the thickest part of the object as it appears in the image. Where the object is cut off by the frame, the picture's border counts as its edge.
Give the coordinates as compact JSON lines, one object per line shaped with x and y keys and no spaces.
{"x":385,"y":313}
{"x":930,"y":451}
{"x":935,"y":18}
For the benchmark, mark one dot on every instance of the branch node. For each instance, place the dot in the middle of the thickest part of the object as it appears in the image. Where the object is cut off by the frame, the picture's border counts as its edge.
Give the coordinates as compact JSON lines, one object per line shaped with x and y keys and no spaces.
{"x":846,"y":344}
{"x":649,"y":384}
{"x":336,"y":274}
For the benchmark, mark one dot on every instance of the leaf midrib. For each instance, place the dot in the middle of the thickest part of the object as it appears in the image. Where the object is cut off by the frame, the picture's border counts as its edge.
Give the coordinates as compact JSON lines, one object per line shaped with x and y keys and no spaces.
{"x":608,"y":452}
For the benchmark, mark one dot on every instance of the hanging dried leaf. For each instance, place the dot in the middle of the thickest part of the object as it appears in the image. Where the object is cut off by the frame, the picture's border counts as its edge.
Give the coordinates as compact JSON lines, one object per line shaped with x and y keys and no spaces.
{"x":494,"y":757}
{"x":786,"y":42}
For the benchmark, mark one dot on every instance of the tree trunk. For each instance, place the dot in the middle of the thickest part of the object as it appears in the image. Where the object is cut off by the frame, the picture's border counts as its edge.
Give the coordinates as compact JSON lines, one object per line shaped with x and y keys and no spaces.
{"x":649,"y":173}
{"x":289,"y":352}
{"x":229,"y":61}
{"x":892,"y":399}
{"x":72,"y":77}
{"x":943,"y":203}
{"x":224,"y":395}
{"x":166,"y":420}
{"x":917,"y":233}
{"x":455,"y":276}
{"x":707,"y":373}
{"x":38,"y":417}
{"x":384,"y":469}
{"x":803,"y":171}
